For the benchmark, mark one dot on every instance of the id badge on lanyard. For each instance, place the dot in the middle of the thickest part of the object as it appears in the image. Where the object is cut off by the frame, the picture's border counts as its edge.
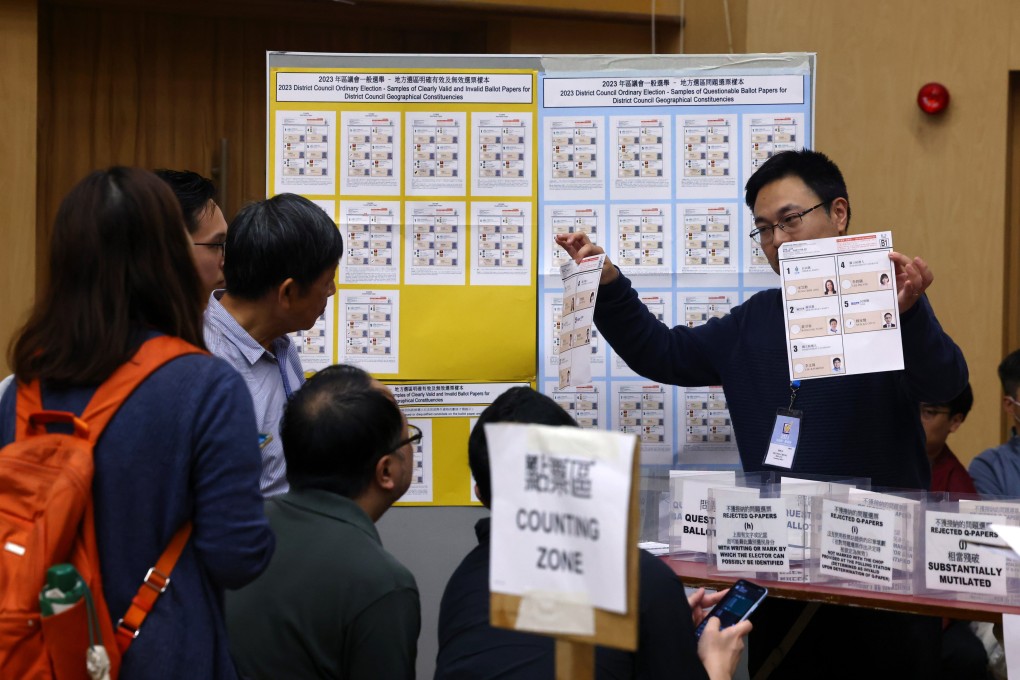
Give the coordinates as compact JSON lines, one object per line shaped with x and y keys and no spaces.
{"x":785,"y":433}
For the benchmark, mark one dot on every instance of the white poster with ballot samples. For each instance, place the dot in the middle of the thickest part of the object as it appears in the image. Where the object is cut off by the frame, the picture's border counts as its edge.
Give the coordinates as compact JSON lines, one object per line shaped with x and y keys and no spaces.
{"x":560,"y":499}
{"x":842,"y":315}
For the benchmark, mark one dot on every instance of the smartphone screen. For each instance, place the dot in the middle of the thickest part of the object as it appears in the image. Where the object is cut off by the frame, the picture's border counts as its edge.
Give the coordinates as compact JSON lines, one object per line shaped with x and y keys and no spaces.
{"x":738,"y":604}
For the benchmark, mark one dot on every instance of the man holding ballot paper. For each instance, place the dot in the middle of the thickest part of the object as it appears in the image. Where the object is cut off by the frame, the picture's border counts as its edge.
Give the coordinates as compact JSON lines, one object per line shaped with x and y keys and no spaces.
{"x":851,"y":423}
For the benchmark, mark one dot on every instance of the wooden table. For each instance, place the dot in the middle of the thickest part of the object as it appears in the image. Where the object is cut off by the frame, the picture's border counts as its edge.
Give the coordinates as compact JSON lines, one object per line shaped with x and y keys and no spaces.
{"x":695,"y":574}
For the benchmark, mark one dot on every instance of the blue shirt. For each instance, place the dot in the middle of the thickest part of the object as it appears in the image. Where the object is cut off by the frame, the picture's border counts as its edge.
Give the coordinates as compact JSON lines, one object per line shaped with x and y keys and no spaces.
{"x":271,"y":378}
{"x":996,"y":472}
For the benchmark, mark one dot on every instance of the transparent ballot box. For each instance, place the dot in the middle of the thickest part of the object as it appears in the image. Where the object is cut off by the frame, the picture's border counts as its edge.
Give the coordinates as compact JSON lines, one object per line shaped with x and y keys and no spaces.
{"x":867,"y":540}
{"x":964,"y":557}
{"x":769,"y":539}
{"x":691,"y":522}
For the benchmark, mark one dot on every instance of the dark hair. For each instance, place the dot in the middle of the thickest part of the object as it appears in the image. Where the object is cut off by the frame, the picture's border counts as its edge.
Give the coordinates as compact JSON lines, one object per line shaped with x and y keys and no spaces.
{"x":336,"y":428}
{"x":833,"y":321}
{"x":286,"y":236}
{"x":1009,"y":373}
{"x":813,"y":168}
{"x":120,"y":266}
{"x":961,"y":403}
{"x":516,"y":405}
{"x":835,"y":359}
{"x":193,"y":193}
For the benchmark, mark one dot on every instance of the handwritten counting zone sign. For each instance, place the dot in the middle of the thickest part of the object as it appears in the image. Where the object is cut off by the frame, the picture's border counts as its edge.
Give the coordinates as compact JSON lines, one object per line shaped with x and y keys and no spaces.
{"x":564,"y":531}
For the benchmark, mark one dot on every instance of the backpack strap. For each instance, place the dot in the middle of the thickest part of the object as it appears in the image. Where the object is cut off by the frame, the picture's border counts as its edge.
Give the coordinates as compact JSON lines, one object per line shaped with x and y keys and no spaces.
{"x":151,"y":355}
{"x":154,"y":353}
{"x":155,"y":583}
{"x":27,"y":402}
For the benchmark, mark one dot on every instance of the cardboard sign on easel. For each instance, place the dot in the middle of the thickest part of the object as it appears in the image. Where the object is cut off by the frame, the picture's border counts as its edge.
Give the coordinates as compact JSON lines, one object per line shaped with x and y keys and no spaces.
{"x":564,"y":538}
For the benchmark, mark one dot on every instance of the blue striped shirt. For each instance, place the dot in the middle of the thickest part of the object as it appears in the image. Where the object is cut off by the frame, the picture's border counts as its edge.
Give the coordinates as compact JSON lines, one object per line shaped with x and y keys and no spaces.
{"x":270,"y":376}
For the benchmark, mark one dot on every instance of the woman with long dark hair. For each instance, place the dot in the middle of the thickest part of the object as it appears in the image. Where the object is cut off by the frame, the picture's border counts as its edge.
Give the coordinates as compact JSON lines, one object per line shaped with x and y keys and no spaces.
{"x":182,"y":448}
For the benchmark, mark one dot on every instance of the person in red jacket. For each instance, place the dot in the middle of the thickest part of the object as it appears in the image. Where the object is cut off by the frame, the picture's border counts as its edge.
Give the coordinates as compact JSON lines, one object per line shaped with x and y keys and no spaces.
{"x":963,"y":655}
{"x":941,"y":420}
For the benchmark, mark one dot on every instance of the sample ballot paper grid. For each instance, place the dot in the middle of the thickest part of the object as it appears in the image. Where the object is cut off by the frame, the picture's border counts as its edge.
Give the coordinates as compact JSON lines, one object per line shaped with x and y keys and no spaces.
{"x":842,"y":316}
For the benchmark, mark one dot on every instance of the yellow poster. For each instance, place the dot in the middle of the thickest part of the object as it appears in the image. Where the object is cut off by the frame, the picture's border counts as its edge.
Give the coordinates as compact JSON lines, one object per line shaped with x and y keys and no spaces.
{"x":431,"y":176}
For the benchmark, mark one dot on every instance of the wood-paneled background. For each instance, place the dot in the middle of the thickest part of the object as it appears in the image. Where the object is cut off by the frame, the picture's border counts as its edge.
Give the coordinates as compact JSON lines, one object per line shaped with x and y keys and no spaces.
{"x":99,"y":82}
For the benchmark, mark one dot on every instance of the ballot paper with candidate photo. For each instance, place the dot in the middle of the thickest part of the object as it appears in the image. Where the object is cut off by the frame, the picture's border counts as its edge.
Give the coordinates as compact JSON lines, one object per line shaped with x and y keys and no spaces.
{"x":560,"y":500}
{"x":580,"y":290}
{"x":841,"y":308}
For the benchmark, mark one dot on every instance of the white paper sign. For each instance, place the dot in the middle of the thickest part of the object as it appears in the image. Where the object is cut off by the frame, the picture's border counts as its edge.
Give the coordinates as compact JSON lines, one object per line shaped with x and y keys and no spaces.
{"x":905,"y":508}
{"x":1011,"y":643}
{"x":1010,"y":512}
{"x":560,"y":499}
{"x":954,"y":562}
{"x":750,"y":532}
{"x":842,"y":314}
{"x":580,"y":290}
{"x":857,"y":542}
{"x":695,"y":521}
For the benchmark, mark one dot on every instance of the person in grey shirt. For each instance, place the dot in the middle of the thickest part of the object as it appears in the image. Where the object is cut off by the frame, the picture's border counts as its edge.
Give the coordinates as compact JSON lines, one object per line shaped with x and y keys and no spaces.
{"x":280,"y":265}
{"x":333,"y":603}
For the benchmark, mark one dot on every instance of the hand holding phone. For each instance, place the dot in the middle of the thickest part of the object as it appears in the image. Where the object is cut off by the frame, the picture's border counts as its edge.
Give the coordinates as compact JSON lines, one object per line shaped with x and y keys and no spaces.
{"x":742,"y":599}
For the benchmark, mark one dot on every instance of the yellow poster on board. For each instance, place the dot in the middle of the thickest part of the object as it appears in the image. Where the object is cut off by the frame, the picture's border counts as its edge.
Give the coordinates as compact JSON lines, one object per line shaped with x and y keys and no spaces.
{"x":431,"y":176}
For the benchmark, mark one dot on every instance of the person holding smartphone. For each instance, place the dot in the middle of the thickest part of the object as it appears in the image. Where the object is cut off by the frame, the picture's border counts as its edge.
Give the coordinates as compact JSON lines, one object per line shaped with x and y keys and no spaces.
{"x":667,"y":646}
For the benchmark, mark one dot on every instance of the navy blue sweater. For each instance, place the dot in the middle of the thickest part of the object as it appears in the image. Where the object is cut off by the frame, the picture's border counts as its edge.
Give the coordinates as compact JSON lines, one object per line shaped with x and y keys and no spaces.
{"x":855,"y":426}
{"x":183,"y":446}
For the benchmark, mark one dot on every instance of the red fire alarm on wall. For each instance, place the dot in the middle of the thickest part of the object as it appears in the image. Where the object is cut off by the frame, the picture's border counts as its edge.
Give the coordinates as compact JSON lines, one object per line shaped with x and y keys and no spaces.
{"x":933,"y":98}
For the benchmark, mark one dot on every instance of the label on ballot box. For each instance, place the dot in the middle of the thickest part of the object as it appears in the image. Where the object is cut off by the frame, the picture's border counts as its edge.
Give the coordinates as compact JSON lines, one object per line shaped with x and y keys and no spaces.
{"x":961,"y":553}
{"x":750,"y":532}
{"x":857,"y":542}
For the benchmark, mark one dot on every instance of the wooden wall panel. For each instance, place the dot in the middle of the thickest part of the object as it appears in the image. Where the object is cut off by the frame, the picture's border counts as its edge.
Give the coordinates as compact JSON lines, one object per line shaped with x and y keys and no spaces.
{"x":938,"y":183}
{"x":1011,"y":242}
{"x":18,"y":92}
{"x":123,"y":84}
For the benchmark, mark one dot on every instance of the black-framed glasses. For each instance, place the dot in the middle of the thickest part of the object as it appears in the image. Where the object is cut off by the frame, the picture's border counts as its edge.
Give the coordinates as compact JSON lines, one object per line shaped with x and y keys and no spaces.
{"x":416,"y":436}
{"x":222,"y":247}
{"x":763,"y":235}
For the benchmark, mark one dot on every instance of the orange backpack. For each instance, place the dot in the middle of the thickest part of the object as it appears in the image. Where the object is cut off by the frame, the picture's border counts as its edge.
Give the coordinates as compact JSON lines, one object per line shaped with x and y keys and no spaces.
{"x":47,"y":517}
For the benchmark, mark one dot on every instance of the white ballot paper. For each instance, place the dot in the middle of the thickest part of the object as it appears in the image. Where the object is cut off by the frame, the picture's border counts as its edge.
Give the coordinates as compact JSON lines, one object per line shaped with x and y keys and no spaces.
{"x":580,"y":288}
{"x":560,"y":500}
{"x":1011,"y":644}
{"x":842,"y":315}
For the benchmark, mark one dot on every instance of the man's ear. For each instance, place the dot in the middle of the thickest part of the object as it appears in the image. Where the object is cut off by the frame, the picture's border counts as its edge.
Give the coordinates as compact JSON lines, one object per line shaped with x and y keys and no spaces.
{"x":839,"y":214}
{"x":286,"y":292}
{"x":385,"y":472}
